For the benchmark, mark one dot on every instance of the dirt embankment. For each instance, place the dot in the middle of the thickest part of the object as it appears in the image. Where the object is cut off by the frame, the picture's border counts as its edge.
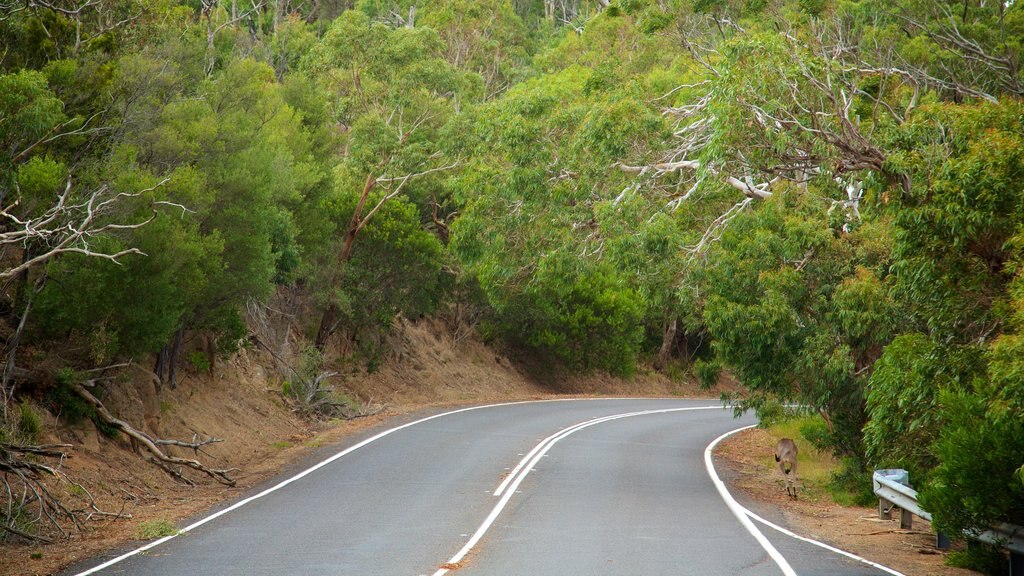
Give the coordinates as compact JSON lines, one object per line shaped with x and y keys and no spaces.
{"x":241,"y":403}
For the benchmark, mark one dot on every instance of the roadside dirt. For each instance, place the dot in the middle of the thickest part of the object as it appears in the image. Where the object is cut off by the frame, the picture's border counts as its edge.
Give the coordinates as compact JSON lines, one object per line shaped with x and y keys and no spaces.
{"x":750,"y":468}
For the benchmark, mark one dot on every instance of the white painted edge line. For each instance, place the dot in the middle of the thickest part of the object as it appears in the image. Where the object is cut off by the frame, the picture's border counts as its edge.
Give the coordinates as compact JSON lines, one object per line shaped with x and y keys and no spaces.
{"x":526,"y":466}
{"x":745,"y":515}
{"x":825,"y":546}
{"x":739,"y":511}
{"x":312,"y":469}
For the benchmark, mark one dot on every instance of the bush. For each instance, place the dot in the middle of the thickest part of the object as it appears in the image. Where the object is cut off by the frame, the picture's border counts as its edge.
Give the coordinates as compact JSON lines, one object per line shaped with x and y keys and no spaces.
{"x":903,"y":400}
{"x":816,"y":432}
{"x":975,"y":484}
{"x":67,"y":404}
{"x":73,"y":408}
{"x":851,"y":485}
{"x":199,"y":362}
{"x":982,"y":558}
{"x":707,"y":373}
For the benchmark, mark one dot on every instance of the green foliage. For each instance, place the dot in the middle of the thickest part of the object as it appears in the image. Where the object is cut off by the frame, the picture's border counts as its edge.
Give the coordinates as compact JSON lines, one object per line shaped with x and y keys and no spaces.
{"x":982,"y":558}
{"x":903,"y":400}
{"x":851,"y":485}
{"x":974,"y":485}
{"x":199,"y":361}
{"x":952,"y":229}
{"x":67,"y":404}
{"x":783,"y":306}
{"x":29,"y":424}
{"x":707,"y":373}
{"x":587,"y":321}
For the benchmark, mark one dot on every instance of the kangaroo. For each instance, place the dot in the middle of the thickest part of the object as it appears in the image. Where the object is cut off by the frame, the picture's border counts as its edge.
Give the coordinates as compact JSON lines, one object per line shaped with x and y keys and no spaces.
{"x":785,"y":455}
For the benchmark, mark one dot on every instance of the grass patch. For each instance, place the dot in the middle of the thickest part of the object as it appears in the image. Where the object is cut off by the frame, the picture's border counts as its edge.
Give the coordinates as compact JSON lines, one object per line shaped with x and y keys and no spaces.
{"x":281,"y":445}
{"x":29,"y":424}
{"x":155,"y":529}
{"x":815,"y":468}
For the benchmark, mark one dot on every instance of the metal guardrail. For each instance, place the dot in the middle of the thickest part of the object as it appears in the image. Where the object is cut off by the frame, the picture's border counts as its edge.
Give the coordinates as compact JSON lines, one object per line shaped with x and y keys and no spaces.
{"x":1009,"y":536}
{"x":893,"y":490}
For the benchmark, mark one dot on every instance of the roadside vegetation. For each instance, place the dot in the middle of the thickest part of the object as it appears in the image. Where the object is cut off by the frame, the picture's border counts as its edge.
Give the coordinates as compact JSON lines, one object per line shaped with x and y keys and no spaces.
{"x":819,"y":198}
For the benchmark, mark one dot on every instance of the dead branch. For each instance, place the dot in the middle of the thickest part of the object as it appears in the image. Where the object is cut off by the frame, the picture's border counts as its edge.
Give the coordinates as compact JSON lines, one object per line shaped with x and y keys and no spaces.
{"x":31,"y":504}
{"x":154,"y":454}
{"x":68,"y":227}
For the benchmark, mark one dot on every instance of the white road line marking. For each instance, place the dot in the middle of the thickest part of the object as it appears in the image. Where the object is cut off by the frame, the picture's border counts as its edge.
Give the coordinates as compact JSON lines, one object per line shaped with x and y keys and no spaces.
{"x":508,"y":488}
{"x":739,"y":510}
{"x":823,"y":545}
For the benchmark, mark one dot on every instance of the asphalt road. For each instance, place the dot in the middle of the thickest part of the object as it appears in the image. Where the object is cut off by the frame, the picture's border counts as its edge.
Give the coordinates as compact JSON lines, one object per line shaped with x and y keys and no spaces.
{"x":560,"y":488}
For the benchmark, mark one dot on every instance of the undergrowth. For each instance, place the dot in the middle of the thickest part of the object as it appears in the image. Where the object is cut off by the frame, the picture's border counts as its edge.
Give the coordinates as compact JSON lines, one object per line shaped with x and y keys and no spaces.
{"x":981,"y":558}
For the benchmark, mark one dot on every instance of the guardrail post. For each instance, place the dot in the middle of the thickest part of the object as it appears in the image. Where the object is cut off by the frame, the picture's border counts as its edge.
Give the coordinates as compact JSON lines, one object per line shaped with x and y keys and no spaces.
{"x":884,"y":509}
{"x":906,"y":519}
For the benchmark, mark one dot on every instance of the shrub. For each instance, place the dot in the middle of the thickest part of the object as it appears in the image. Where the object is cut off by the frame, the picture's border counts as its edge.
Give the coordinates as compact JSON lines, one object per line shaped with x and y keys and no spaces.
{"x":29,"y":425}
{"x":707,"y":373}
{"x":199,"y":361}
{"x":66,"y":402}
{"x":981,"y":558}
{"x":975,"y":483}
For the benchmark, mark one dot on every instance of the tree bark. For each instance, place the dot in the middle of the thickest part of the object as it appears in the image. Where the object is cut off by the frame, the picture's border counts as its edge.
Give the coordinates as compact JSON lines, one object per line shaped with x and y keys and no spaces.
{"x":330,"y":317}
{"x":172,"y":360}
{"x":668,"y":337}
{"x":161,"y":365}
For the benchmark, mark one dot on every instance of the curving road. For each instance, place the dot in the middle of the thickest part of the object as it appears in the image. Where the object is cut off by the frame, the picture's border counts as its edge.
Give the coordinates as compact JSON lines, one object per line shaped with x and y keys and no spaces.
{"x":560,"y":488}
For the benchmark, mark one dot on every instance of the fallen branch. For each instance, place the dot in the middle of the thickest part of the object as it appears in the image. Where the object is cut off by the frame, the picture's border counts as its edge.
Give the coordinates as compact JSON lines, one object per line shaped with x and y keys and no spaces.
{"x":155,"y":455}
{"x":29,"y":501}
{"x":892,"y":531}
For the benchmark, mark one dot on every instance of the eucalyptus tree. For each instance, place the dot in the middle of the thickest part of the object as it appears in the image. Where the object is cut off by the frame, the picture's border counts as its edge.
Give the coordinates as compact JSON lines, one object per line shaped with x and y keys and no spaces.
{"x":391,"y":93}
{"x":237,"y":159}
{"x":956,"y":270}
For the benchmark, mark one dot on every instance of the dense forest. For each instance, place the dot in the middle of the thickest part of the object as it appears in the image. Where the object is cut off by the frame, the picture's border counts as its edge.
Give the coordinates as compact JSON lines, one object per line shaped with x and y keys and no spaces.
{"x":823,"y":199}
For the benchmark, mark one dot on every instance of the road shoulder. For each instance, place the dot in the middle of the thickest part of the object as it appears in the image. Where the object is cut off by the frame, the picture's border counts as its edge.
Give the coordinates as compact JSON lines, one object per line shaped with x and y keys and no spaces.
{"x":744,"y":462}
